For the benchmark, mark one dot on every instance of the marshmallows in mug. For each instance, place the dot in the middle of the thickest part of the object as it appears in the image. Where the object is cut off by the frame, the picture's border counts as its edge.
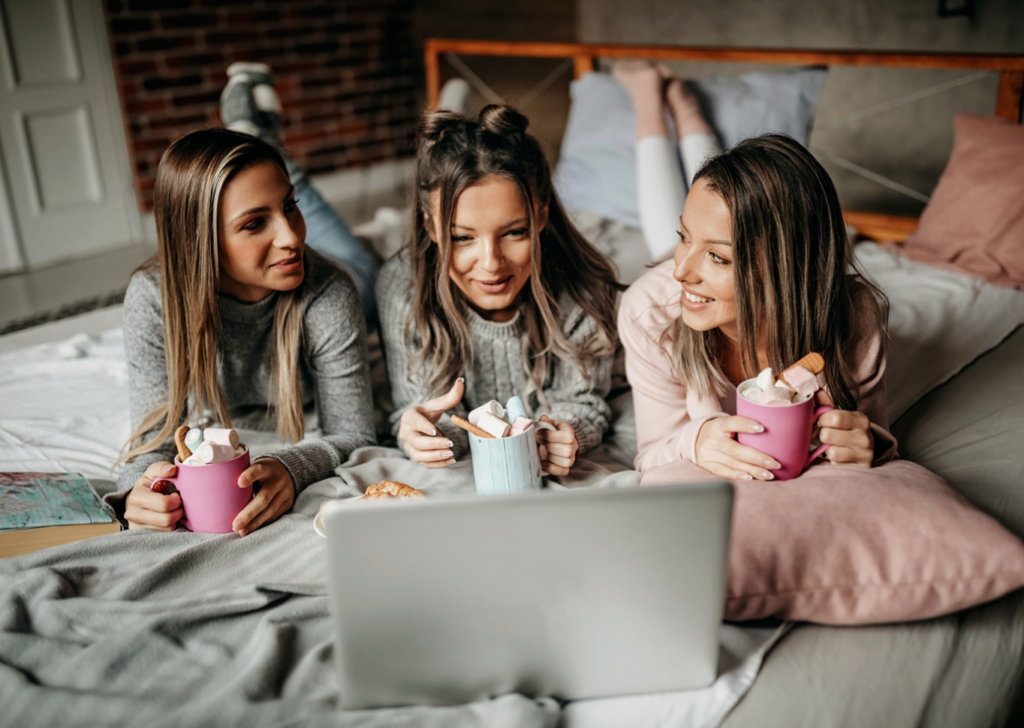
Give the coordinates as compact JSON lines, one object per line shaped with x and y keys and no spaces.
{"x":213,"y":445}
{"x":799,"y":385}
{"x":507,"y":421}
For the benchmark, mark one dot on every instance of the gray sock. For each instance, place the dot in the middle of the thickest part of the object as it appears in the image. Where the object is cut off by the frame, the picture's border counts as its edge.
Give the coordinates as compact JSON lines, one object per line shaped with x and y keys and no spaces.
{"x":250,"y":105}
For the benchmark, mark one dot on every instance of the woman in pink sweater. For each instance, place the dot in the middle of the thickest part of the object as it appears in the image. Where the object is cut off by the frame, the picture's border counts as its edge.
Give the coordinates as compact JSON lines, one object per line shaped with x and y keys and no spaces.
{"x":760,"y":277}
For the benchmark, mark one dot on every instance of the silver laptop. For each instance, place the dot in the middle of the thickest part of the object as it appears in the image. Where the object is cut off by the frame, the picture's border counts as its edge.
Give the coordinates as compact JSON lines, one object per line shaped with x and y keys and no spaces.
{"x":572,"y":593}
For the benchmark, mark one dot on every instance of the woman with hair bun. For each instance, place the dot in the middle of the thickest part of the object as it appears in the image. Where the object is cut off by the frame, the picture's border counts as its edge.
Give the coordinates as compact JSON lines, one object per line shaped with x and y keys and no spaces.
{"x":495,"y":294}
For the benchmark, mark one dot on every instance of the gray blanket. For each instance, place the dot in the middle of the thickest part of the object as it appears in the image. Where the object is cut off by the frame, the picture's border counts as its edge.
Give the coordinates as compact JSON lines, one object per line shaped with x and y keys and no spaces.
{"x":147,"y":628}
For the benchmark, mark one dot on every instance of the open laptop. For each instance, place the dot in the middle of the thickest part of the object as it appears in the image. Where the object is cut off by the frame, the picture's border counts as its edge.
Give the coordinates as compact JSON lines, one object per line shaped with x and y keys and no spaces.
{"x":572,"y":593}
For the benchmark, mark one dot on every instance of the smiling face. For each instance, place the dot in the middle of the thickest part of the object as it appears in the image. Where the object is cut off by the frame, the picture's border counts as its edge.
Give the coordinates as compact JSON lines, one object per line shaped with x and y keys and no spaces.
{"x":261,"y":234}
{"x":704,"y":263}
{"x":492,"y":249}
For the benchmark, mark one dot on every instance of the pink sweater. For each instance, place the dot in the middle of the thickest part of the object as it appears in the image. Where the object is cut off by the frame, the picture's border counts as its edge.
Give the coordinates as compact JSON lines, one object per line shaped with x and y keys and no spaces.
{"x":669,"y":417}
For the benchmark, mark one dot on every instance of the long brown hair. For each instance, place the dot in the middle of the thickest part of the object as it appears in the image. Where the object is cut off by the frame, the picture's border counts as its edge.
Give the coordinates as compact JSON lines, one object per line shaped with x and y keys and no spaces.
{"x":186,"y":206}
{"x":455,"y":152}
{"x":791,"y":268}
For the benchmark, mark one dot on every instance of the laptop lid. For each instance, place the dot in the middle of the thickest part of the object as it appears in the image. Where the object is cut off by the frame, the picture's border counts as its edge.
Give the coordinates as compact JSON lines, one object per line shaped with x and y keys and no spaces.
{"x":571,"y":593}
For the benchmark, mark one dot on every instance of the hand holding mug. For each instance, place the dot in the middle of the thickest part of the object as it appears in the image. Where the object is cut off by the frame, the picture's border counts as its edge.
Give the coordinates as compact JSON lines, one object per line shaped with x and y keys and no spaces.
{"x":847,"y":433}
{"x":558,"y":447}
{"x":419,"y":434}
{"x":147,"y":508}
{"x":717,"y":452}
{"x":274,"y":497}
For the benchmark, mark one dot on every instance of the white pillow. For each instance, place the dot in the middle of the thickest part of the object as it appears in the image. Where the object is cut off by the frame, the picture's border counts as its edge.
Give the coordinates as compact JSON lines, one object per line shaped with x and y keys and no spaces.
{"x":597,"y":167}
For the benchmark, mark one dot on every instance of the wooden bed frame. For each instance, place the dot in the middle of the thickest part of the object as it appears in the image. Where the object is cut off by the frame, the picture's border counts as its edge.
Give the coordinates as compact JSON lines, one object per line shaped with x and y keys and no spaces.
{"x":872,"y":225}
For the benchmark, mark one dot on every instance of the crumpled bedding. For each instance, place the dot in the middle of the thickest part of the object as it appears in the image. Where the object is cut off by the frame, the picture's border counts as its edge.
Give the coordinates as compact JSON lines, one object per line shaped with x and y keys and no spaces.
{"x":188,"y":629}
{"x":191,"y":629}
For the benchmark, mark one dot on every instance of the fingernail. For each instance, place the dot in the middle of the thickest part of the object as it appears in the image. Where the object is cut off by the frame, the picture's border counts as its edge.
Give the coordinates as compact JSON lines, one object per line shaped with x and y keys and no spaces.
{"x":461,"y":379}
{"x":757,"y":428}
{"x":747,"y":477}
{"x":768,"y":476}
{"x":449,"y":443}
{"x":448,"y":454}
{"x":771,"y":465}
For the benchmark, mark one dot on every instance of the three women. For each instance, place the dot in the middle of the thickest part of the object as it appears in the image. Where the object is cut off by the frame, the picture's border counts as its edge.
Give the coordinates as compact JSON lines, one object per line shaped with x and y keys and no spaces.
{"x":496,"y":294}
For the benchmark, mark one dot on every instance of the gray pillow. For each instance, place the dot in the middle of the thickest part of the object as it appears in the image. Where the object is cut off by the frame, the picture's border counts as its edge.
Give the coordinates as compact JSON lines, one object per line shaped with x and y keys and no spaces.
{"x":597,"y":168}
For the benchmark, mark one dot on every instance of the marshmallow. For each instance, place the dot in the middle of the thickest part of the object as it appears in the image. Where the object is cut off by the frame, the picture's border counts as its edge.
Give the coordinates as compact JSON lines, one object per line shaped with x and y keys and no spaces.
{"x":775,"y":396}
{"x":194,"y":460}
{"x":194,"y":438}
{"x":802,"y":381}
{"x":492,"y":425}
{"x":752,"y":393}
{"x":521,"y":425}
{"x":765,"y":379}
{"x":215,"y":452}
{"x":515,"y":409}
{"x":493,"y":408}
{"x":222,"y":436}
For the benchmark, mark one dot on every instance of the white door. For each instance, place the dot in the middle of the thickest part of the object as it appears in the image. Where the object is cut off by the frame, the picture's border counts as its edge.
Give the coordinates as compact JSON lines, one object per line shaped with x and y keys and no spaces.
{"x":62,"y":146}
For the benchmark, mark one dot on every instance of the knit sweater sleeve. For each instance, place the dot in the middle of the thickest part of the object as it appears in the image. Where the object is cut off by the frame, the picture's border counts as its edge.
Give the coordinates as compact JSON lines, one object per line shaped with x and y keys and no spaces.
{"x":394,"y":301}
{"x":147,"y":372}
{"x":575,"y":396}
{"x":334,"y":333}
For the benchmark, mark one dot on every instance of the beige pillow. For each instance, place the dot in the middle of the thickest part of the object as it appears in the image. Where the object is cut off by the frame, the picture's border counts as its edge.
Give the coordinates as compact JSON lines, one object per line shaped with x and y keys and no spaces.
{"x":843,"y":544}
{"x":974,"y":222}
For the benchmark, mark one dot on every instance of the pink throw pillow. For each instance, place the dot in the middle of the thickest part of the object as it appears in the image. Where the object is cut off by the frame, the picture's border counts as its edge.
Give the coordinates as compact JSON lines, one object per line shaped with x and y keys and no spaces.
{"x":848,"y":545}
{"x":974,"y":222}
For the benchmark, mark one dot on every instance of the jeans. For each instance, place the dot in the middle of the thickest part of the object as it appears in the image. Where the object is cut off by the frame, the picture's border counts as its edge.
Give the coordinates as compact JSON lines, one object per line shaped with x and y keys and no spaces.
{"x":327,"y":234}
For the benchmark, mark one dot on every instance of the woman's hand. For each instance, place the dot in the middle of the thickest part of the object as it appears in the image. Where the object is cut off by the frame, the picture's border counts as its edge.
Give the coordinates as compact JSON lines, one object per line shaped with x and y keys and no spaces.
{"x":558,"y":448}
{"x":423,"y":443}
{"x":717,"y":452}
{"x":146,"y":508}
{"x":275,"y":496}
{"x":848,"y":434}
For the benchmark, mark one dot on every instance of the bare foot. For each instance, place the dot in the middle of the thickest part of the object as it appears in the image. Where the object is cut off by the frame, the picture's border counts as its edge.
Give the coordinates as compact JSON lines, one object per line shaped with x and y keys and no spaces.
{"x":685,"y":109}
{"x":643,"y":81}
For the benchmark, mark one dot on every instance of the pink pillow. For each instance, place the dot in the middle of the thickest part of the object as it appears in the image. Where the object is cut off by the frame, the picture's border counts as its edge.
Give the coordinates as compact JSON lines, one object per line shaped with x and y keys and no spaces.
{"x":843,"y":544}
{"x":975,"y":220}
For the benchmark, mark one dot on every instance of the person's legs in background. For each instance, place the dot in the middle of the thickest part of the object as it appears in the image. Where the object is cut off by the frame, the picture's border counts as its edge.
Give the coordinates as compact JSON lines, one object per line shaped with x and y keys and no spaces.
{"x":660,"y":184}
{"x":250,"y":105}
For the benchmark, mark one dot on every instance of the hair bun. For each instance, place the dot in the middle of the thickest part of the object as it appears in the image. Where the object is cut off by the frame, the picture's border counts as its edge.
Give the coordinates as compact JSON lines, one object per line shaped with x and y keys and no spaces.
{"x":436,"y":123}
{"x":504,"y":120}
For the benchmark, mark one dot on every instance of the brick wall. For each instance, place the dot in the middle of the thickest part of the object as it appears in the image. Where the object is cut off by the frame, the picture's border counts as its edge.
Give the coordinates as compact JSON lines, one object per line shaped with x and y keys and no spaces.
{"x":347,"y":71}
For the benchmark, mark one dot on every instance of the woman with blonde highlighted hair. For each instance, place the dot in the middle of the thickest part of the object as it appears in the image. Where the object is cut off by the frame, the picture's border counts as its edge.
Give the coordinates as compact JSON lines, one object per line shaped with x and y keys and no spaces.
{"x":235,"y":322}
{"x":496,"y":294}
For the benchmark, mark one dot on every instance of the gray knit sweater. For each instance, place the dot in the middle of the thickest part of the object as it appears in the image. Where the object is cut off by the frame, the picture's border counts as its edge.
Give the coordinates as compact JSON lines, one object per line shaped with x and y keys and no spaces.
{"x":333,"y":368}
{"x":496,"y":370}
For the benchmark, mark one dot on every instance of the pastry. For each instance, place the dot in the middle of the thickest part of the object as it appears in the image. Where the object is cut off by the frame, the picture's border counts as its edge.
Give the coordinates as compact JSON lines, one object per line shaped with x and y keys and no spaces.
{"x":391,"y":489}
{"x":179,"y":441}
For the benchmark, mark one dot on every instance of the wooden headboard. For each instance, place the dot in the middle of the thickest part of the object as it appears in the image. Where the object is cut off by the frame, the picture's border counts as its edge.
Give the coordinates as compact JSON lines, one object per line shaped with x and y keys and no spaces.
{"x":585,"y":55}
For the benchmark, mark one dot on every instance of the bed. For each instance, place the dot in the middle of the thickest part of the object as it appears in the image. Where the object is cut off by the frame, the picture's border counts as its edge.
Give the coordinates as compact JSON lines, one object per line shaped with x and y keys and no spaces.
{"x":187,"y":629}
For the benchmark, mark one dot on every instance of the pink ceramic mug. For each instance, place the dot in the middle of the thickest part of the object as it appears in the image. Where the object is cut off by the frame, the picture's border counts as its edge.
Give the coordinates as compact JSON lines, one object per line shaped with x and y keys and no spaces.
{"x":787,"y":431}
{"x":210,"y":494}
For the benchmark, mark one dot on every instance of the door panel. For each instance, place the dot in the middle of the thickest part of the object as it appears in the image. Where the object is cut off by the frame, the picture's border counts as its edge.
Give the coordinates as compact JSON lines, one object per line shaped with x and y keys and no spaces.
{"x":42,"y":43}
{"x":62,"y":159}
{"x":60,"y":128}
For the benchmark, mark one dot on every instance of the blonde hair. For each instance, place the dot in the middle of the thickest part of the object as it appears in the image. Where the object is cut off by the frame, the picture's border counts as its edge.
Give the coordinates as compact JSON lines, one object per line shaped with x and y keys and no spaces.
{"x":455,"y":152}
{"x":791,"y":259}
{"x":186,"y":205}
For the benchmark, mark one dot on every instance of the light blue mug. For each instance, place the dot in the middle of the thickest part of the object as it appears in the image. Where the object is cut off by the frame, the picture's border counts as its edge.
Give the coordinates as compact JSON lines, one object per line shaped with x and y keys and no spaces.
{"x":506,"y":464}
